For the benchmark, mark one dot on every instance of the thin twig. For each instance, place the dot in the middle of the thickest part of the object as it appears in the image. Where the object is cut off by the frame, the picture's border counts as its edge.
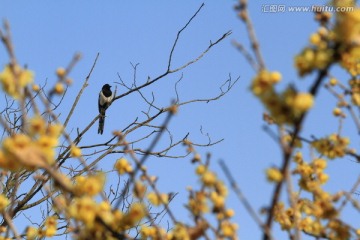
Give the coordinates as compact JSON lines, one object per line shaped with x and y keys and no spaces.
{"x":85,"y":84}
{"x":178,"y":36}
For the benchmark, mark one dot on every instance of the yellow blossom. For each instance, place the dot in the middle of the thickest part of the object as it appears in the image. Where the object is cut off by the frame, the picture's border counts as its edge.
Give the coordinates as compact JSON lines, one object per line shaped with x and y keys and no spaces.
{"x":332,"y":146}
{"x":147,"y":232}
{"x":221,"y":188}
{"x":105,"y":213}
{"x":35,"y":87}
{"x":49,"y":232}
{"x":298,"y":157}
{"x":355,"y":98}
{"x":4,"y":202}
{"x":218,"y":201}
{"x":333,"y":81}
{"x":31,"y":233}
{"x":348,"y":26}
{"x":139,"y":189}
{"x":304,"y":169}
{"x":60,"y":203}
{"x":264,"y":81}
{"x":323,"y":31}
{"x":197,"y":158}
{"x":14,"y":79}
{"x":60,"y":72}
{"x":54,"y":130}
{"x":201,"y":169}
{"x":117,"y":217}
{"x":89,"y":185}
{"x":306,"y":224}
{"x":83,"y":209}
{"x":337,"y":112}
{"x":75,"y":151}
{"x":123,"y":166}
{"x":20,"y":151}
{"x":8,"y":162}
{"x":323,"y":177}
{"x":350,"y":60}
{"x":37,"y":125}
{"x":303,"y":102}
{"x":59,"y":88}
{"x":228,"y":229}
{"x":315,"y":38}
{"x":179,"y":233}
{"x":209,"y":178}
{"x":157,"y":200}
{"x":275,"y":77}
{"x":288,"y":139}
{"x":229,"y":213}
{"x":304,"y":62}
{"x":320,"y":163}
{"x":198,"y":204}
{"x":274,"y":174}
{"x":50,"y":226}
{"x":136,"y":213}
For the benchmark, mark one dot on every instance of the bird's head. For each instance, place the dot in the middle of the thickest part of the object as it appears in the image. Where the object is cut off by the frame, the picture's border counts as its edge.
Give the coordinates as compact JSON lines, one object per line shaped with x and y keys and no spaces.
{"x":106,"y":86}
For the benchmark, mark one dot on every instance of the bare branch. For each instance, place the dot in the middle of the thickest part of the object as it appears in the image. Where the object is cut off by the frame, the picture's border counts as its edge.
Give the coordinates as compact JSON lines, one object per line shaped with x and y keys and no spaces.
{"x":178,"y":36}
{"x":85,"y":84}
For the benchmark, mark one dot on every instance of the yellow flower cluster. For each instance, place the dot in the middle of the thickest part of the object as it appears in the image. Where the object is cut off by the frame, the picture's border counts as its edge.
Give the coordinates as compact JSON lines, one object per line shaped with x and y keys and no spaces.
{"x":139,"y":190}
{"x":355,"y":91}
{"x":350,"y":60}
{"x":50,"y":227}
{"x":285,"y":107}
{"x":312,"y":58}
{"x":89,"y":185}
{"x":180,"y":232}
{"x":48,"y":230}
{"x":347,"y":28}
{"x":307,"y":223}
{"x":284,"y":216}
{"x":333,"y":146}
{"x":13,"y":79}
{"x":320,"y":52}
{"x":318,"y":216}
{"x":198,"y":204}
{"x":345,"y":36}
{"x":151,"y":232}
{"x":156,"y":199}
{"x":287,"y":138}
{"x":123,"y":166}
{"x":211,"y":196}
{"x":264,"y":82}
{"x":93,"y":215}
{"x":33,"y":150}
{"x":347,"y":32}
{"x":32,"y":233}
{"x":312,"y":174}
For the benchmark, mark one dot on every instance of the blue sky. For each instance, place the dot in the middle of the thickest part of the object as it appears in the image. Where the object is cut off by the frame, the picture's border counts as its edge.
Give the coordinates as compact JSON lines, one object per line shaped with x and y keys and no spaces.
{"x":46,"y":35}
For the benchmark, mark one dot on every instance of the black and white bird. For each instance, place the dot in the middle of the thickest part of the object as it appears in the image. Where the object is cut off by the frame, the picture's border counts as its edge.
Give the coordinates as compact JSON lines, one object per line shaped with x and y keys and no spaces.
{"x":105,"y":99}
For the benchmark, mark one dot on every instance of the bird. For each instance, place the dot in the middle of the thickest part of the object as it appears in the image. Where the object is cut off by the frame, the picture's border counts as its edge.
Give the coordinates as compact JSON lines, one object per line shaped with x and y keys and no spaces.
{"x":105,"y":99}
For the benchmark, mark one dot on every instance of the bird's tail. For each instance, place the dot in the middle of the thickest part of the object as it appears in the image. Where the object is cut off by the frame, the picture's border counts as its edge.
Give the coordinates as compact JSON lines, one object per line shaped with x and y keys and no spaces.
{"x":101,"y":124}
